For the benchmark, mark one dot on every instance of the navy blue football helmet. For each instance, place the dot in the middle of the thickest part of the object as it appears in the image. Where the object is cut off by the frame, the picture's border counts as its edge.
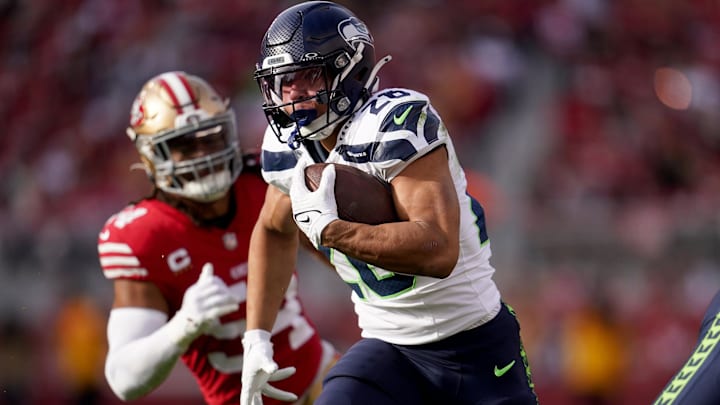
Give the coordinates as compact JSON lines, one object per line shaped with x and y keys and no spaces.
{"x":319,"y":40}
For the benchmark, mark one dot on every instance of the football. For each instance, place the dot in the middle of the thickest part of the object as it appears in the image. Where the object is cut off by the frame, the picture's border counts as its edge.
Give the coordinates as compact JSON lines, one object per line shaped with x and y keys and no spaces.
{"x":360,"y":197}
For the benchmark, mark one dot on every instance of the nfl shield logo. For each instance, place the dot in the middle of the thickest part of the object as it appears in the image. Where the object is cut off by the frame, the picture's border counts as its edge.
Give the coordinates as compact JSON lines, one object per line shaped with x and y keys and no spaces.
{"x":230,"y":241}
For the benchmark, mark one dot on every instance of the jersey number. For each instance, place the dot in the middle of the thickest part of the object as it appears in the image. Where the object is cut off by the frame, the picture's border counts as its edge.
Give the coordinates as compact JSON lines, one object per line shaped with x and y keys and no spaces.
{"x":384,"y":285}
{"x":377,"y":105}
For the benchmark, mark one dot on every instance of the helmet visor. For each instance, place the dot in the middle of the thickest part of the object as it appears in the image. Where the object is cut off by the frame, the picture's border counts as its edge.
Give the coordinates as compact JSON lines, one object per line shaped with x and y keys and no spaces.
{"x":276,"y":84}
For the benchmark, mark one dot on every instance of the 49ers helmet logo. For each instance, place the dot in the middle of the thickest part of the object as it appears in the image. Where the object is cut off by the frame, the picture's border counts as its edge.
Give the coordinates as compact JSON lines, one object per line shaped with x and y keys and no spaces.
{"x":137,"y":112}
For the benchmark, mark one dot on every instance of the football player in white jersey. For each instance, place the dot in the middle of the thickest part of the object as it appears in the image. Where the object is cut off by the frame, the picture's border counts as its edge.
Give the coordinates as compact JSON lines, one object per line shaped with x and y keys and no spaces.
{"x":178,"y":259}
{"x":434,"y":327}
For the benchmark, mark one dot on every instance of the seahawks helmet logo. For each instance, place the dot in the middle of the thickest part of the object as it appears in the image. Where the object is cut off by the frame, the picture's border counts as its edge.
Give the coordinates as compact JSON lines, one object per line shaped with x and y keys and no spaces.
{"x":353,"y":30}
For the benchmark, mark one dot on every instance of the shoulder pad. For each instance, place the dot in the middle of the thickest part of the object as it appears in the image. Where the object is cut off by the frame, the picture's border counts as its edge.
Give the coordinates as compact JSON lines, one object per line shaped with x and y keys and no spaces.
{"x":394,"y":127}
{"x":396,"y":110}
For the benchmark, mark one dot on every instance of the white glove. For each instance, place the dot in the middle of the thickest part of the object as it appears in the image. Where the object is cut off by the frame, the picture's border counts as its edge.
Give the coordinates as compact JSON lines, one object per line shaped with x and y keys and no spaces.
{"x":313,"y":210}
{"x":204,"y":303}
{"x":259,"y":368}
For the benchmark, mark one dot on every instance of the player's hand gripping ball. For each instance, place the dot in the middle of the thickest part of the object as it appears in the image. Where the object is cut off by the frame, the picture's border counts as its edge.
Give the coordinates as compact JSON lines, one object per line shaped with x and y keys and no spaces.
{"x":360,"y":196}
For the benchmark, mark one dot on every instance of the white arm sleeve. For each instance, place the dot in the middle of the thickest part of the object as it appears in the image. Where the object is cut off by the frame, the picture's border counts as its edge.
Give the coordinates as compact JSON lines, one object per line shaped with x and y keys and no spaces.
{"x":143,"y":350}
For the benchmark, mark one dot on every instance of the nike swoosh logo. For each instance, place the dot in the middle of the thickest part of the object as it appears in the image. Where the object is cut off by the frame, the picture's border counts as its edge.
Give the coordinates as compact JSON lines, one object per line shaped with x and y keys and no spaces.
{"x":499,"y":372}
{"x":304,"y":217}
{"x":398,"y":120}
{"x":105,"y":234}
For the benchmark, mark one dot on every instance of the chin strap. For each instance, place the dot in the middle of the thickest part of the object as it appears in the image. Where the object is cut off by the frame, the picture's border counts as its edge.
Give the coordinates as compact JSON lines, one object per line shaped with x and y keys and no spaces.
{"x":292,"y":141}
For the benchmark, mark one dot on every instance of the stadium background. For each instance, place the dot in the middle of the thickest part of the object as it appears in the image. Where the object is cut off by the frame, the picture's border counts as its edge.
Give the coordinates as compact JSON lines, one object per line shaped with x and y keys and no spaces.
{"x":590,"y":130}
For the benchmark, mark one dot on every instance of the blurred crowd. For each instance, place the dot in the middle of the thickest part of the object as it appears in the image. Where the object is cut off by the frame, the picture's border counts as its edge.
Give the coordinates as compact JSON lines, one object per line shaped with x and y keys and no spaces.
{"x":615,"y":224}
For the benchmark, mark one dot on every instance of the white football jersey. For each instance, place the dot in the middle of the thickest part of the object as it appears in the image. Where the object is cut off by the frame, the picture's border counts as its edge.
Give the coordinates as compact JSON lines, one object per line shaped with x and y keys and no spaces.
{"x":392,"y":129}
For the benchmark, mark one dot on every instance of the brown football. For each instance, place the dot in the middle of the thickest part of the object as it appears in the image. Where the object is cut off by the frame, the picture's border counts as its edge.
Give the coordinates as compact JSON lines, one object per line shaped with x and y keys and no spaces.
{"x":360,"y":197}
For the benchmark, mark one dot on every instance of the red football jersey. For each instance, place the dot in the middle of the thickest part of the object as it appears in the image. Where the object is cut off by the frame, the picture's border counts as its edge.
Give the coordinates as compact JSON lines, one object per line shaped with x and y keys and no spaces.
{"x":155,"y":242}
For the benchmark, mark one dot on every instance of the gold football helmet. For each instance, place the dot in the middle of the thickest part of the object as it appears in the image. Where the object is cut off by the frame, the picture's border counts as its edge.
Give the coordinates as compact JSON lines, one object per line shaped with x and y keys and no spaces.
{"x":186,"y":135}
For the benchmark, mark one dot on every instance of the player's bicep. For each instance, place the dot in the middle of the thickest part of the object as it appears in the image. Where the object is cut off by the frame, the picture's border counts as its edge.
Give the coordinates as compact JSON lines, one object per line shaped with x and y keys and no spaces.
{"x":138,"y":294}
{"x":425,"y":192}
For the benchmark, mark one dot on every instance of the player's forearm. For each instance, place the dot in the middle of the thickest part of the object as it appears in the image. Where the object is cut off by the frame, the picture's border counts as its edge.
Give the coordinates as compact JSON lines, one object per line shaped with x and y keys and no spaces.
{"x":404,"y":247}
{"x":271,"y":263}
{"x":135,"y":366}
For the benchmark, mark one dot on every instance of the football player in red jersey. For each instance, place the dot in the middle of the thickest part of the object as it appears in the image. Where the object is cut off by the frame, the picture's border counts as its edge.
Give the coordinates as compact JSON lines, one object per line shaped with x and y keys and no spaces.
{"x":178,"y":259}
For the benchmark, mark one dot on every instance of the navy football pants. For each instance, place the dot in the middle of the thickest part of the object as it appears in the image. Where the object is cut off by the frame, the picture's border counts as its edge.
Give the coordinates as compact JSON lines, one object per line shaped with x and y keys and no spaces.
{"x":484,"y":365}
